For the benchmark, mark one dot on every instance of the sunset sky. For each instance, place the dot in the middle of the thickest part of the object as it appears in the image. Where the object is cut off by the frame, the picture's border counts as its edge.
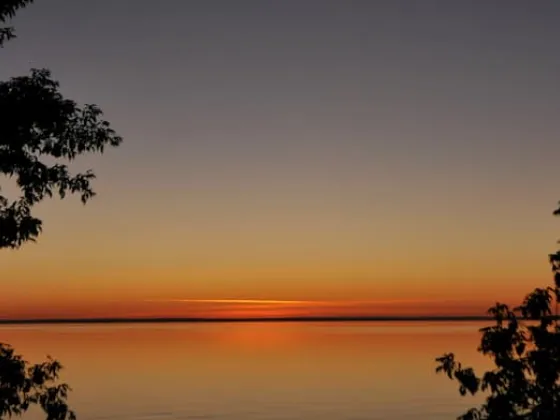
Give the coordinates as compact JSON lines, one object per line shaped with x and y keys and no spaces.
{"x":297,"y":157}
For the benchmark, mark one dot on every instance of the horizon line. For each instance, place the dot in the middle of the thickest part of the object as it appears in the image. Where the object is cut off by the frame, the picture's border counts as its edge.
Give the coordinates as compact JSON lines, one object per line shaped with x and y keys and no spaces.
{"x":155,"y":320}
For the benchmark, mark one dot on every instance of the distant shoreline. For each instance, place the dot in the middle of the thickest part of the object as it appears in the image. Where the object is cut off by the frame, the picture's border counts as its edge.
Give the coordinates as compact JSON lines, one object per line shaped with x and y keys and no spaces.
{"x":241,"y":320}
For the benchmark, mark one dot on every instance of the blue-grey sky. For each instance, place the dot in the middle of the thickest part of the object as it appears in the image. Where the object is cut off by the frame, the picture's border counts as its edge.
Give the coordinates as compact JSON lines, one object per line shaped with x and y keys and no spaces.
{"x":303,"y":149}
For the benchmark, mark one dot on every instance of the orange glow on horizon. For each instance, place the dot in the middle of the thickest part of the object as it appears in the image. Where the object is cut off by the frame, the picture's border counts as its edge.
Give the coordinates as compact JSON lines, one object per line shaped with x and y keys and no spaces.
{"x":242,"y":308}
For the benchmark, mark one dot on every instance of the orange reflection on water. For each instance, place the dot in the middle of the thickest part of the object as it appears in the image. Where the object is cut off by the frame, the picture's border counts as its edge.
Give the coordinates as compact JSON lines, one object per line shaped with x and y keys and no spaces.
{"x":239,"y":364}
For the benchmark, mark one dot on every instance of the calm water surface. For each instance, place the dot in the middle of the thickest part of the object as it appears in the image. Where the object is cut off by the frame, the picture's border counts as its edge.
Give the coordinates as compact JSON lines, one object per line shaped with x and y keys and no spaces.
{"x":265,"y":371}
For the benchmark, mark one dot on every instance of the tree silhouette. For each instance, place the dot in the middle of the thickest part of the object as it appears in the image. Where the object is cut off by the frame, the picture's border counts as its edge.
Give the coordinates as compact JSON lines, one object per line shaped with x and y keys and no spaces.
{"x":40,"y":133}
{"x":23,"y":385}
{"x":525,"y":383}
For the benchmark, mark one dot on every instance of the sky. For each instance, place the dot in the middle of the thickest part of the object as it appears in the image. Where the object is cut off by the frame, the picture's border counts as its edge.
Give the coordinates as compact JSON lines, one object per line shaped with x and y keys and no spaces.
{"x":297,"y":158}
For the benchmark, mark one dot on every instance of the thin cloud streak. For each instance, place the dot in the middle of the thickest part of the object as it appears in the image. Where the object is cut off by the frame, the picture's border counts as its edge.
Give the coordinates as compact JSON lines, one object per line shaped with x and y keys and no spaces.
{"x":292,"y":302}
{"x":256,"y":301}
{"x":258,"y":308}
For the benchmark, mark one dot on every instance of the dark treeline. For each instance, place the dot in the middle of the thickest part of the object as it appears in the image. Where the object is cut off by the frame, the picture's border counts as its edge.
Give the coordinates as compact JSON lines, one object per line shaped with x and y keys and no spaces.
{"x":268,"y":319}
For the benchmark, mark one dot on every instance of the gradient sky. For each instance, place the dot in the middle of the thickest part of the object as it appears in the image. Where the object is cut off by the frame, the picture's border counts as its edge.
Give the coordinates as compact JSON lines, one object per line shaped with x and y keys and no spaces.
{"x":401,"y":154}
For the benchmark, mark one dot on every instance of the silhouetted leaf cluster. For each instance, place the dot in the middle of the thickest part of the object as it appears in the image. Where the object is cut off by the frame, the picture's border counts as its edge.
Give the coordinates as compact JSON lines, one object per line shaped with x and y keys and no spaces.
{"x":524,"y":344}
{"x":8,"y":9}
{"x":23,"y":385}
{"x":39,"y":124}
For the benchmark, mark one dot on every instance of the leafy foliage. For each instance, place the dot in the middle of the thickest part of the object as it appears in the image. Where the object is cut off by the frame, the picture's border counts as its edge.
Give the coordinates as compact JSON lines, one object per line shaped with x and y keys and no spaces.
{"x":23,"y":385}
{"x":524,"y":344}
{"x":38,"y":122}
{"x":8,"y":9}
{"x":39,"y":125}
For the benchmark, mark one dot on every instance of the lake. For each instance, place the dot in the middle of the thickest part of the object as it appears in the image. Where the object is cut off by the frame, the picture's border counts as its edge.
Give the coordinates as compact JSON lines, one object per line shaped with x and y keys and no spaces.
{"x":247,"y":371}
